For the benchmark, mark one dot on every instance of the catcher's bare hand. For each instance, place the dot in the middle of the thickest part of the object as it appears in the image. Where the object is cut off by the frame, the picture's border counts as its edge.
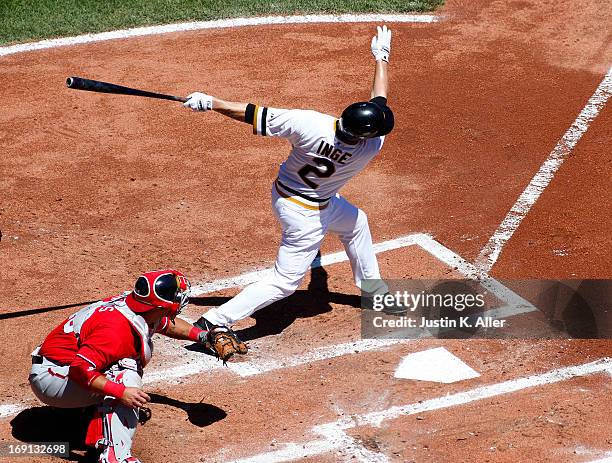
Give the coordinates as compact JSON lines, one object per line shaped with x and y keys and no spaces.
{"x":134,"y":397}
{"x":224,"y":342}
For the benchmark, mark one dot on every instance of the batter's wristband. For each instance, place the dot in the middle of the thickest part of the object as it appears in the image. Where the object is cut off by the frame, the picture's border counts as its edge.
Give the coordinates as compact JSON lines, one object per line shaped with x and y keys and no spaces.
{"x":194,"y":334}
{"x":114,"y":389}
{"x":249,"y":113}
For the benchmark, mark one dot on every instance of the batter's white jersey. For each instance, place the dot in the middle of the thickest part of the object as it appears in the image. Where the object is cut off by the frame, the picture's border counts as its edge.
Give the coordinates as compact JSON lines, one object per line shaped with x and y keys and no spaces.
{"x":317,"y":167}
{"x":319,"y":163}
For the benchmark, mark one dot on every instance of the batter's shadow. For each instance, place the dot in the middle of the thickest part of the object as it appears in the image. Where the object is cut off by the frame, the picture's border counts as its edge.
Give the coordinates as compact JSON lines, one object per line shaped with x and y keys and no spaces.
{"x":275,"y":318}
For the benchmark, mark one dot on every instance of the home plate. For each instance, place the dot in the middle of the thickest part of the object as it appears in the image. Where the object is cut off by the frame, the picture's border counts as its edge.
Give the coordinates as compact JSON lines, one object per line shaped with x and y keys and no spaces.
{"x":437,"y":365}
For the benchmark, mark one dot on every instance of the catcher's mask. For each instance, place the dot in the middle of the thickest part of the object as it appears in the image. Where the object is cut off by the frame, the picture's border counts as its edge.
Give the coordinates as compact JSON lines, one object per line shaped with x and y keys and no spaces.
{"x":168,"y":289}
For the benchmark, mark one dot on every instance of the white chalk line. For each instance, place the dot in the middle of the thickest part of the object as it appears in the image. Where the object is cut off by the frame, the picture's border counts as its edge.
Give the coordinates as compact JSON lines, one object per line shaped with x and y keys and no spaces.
{"x":195,"y":363}
{"x":326,"y":260}
{"x":199,"y":363}
{"x":492,"y":250}
{"x":602,"y":460}
{"x":352,"y":449}
{"x":333,"y":432}
{"x":8,"y":410}
{"x":216,"y":24}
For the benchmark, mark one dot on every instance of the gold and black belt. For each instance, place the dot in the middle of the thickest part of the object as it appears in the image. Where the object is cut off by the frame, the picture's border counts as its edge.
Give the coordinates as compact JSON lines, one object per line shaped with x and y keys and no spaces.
{"x":299,"y":199}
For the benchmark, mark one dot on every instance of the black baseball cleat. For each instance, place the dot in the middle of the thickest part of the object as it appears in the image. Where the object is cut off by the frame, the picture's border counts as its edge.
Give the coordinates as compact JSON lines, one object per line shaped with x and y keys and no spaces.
{"x":395,"y":308}
{"x":204,"y":324}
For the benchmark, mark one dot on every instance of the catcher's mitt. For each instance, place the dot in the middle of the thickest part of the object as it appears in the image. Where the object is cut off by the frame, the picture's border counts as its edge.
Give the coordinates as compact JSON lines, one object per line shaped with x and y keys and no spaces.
{"x":224,"y":342}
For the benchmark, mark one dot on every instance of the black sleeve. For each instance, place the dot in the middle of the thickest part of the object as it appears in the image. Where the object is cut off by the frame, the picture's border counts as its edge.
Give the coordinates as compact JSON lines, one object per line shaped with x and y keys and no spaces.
{"x":389,"y":119}
{"x":249,"y":113}
{"x":380,"y":101}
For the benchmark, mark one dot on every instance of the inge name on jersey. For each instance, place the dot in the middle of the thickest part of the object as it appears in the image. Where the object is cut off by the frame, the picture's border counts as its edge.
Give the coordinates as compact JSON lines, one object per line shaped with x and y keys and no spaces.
{"x":335,"y":154}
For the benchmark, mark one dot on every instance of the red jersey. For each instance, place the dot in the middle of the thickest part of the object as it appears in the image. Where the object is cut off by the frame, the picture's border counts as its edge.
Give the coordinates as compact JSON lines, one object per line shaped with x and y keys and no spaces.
{"x":104,"y":337}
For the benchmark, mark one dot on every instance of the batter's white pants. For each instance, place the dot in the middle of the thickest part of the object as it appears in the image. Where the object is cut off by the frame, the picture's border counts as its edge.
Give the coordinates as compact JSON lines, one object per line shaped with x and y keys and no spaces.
{"x":50,"y":383}
{"x":303,"y":231}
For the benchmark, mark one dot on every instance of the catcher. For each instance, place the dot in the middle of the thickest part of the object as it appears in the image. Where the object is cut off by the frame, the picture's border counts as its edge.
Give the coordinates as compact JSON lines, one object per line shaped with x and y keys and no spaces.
{"x":97,"y":355}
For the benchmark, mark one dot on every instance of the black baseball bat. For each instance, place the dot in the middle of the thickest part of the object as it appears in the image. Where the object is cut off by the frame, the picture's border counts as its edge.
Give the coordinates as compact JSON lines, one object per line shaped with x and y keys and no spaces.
{"x":78,"y":83}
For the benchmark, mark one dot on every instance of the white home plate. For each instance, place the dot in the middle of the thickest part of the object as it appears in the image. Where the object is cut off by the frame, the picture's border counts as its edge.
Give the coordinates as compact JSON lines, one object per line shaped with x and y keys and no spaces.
{"x":437,"y":365}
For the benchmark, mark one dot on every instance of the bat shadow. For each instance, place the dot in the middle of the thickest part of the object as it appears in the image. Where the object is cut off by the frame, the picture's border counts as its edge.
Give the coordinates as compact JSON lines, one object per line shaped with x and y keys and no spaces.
{"x":27,"y":312}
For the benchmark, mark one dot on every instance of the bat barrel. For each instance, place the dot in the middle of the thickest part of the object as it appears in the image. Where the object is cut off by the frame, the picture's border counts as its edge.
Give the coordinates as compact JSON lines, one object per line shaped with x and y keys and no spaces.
{"x":78,"y":83}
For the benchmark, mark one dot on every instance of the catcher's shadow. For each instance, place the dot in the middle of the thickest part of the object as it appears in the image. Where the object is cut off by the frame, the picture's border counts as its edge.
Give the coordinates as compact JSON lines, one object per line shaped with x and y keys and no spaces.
{"x":198,"y":414}
{"x":48,"y":424}
{"x":276,"y":317}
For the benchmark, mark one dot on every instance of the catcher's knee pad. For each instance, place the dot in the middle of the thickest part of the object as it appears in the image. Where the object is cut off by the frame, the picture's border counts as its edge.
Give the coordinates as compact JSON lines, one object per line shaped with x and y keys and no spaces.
{"x":127,"y":372}
{"x":130,"y":378}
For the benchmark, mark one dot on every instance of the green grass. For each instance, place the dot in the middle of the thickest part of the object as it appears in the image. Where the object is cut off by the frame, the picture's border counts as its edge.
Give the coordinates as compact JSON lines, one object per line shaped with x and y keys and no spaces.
{"x":27,"y":20}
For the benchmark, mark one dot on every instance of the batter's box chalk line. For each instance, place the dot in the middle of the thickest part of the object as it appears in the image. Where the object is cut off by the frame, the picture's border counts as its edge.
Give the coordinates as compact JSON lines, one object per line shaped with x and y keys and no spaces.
{"x":492,"y":250}
{"x":335,"y":437}
{"x":195,"y":363}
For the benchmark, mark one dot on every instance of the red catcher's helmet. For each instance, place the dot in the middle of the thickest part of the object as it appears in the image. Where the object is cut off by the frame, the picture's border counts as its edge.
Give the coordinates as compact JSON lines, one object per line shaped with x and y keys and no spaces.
{"x":160,"y":288}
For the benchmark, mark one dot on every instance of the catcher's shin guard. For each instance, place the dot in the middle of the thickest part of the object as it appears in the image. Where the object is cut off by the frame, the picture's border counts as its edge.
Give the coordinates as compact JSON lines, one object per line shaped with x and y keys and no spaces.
{"x":118,"y":421}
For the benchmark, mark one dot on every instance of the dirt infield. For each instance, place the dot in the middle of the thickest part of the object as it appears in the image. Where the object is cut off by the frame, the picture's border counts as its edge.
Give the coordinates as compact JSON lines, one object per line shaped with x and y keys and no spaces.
{"x":97,"y":188}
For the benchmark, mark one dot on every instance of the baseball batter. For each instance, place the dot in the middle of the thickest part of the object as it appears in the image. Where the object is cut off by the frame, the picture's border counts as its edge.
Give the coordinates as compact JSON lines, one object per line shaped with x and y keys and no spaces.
{"x":96,"y":357}
{"x":326,"y":152}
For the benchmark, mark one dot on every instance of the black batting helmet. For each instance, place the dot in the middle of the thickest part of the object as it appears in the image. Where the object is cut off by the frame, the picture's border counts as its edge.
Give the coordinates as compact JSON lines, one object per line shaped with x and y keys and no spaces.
{"x":362,"y":120}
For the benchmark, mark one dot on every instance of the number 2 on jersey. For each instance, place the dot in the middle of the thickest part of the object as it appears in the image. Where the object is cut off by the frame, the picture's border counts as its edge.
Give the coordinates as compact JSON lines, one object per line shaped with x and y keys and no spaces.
{"x":324,"y":168}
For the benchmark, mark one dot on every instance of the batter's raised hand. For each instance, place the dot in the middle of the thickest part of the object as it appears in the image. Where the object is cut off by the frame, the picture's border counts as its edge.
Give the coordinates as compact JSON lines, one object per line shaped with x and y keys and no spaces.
{"x":199,"y":101}
{"x":381,"y":44}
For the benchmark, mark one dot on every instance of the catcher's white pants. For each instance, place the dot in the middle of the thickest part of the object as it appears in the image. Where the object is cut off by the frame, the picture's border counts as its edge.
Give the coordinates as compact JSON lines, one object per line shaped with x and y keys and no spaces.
{"x":50,"y":383}
{"x":303,"y":231}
